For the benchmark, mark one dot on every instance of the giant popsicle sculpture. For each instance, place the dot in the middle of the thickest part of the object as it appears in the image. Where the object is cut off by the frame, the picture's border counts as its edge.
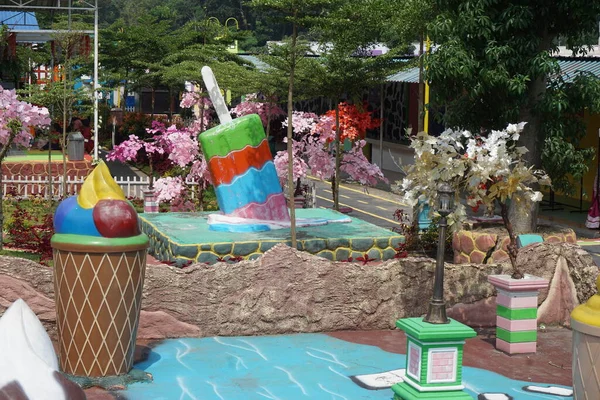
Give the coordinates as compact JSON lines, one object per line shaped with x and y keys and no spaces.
{"x":241,"y":167}
{"x":240,"y":164}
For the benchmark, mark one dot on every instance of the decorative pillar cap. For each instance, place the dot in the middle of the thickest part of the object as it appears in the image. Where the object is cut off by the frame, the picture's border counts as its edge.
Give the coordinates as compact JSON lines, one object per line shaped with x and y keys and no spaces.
{"x":426,"y":332}
{"x":527,"y":284}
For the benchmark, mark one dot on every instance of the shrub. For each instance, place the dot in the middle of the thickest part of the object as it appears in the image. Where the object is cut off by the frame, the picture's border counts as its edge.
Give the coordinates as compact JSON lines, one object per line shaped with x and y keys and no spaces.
{"x":26,"y":231}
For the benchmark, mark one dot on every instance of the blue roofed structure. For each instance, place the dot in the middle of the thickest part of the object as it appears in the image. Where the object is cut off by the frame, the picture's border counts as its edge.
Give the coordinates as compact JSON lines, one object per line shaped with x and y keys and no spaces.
{"x":19,"y":20}
{"x":570,"y":67}
{"x":19,"y":16}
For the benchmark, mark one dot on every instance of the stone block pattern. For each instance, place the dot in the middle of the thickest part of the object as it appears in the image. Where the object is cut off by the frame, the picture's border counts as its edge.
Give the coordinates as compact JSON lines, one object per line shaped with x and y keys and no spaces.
{"x":490,"y":248}
{"x":516,"y":322}
{"x":339,"y":249}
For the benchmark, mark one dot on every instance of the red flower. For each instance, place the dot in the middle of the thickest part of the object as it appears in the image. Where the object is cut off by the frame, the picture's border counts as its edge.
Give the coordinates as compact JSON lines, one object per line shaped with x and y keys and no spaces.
{"x":365,"y":259}
{"x":354,"y":123}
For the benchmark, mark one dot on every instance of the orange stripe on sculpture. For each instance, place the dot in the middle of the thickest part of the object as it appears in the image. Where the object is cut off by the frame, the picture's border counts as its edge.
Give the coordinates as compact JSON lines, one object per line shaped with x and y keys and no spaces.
{"x":225,"y":169}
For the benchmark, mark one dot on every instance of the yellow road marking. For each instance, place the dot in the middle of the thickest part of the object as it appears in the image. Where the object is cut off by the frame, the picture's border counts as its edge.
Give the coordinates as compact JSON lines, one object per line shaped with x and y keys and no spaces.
{"x":587,"y":243}
{"x":361,"y":211}
{"x":360,"y":191}
{"x":344,"y":196}
{"x":362,"y":201}
{"x":382,"y":208}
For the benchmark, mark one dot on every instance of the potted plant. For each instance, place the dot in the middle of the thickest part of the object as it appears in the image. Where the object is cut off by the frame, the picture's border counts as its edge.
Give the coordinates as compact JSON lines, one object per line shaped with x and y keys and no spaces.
{"x":490,"y":170}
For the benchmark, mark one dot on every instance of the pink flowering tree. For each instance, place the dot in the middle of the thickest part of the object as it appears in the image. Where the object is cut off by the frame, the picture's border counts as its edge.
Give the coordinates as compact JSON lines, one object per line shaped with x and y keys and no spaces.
{"x":183,"y":152}
{"x":134,"y":148}
{"x":266,"y":108}
{"x":202,"y":107}
{"x":314,"y":152}
{"x":16,"y":119}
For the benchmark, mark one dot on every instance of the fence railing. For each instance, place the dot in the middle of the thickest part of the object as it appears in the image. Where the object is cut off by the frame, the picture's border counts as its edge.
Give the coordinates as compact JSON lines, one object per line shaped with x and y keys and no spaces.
{"x":28,"y":186}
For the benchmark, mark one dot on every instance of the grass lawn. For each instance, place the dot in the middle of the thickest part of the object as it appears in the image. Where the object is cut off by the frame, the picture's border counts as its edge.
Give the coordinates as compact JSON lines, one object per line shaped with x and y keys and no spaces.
{"x":20,"y":254}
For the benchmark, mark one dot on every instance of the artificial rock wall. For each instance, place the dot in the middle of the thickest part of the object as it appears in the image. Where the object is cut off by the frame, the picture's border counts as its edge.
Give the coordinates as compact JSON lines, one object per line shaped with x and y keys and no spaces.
{"x":291,"y":291}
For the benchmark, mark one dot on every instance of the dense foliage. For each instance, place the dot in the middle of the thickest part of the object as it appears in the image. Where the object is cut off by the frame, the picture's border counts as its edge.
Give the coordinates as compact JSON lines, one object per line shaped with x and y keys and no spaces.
{"x":492,"y":66}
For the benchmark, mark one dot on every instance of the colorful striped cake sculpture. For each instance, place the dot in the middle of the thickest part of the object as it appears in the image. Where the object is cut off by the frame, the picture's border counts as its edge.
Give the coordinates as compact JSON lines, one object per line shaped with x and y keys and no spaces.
{"x":242,"y":170}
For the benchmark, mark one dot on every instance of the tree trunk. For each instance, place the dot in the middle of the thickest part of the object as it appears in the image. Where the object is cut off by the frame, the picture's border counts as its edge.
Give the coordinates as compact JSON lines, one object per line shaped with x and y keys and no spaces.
{"x":201,"y":106}
{"x":338,"y":161}
{"x":523,"y":213}
{"x":153,"y":98}
{"x":243,"y":15}
{"x":64,"y":141}
{"x":512,"y":246}
{"x":268,"y":132}
{"x":1,"y":208}
{"x":3,"y":154}
{"x":290,"y":110}
{"x":50,"y":176}
{"x":171,"y":104}
{"x":151,"y":174}
{"x":421,"y":101}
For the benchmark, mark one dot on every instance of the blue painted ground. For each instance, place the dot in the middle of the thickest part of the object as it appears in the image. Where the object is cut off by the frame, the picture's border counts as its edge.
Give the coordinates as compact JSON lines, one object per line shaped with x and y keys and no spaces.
{"x":311,"y":366}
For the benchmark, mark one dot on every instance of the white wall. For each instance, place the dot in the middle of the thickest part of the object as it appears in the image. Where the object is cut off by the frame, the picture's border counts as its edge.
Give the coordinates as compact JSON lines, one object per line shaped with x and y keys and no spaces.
{"x":392,"y":154}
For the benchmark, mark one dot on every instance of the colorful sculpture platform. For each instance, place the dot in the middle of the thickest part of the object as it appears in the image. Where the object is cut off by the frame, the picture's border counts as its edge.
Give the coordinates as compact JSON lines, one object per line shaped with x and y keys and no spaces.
{"x":184,"y":237}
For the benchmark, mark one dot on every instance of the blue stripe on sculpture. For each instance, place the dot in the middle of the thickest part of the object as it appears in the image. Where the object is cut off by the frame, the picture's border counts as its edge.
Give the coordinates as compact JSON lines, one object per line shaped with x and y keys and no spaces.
{"x":253,"y":186}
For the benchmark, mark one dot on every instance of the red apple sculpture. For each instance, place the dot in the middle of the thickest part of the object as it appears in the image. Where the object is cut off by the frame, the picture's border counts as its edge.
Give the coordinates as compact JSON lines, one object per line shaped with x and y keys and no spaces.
{"x":115,"y":219}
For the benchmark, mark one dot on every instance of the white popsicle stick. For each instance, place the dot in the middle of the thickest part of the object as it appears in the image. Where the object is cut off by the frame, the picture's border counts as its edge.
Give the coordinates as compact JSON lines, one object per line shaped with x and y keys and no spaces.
{"x":215,"y":95}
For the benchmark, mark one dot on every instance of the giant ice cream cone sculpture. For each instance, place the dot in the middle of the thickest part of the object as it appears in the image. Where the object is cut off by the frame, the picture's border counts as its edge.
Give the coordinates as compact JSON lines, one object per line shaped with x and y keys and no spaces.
{"x":99,"y":266}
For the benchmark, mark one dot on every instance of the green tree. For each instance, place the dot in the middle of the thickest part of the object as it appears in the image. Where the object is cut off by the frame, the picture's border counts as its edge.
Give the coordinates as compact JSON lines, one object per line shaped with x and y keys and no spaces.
{"x":347,"y":70}
{"x":232,"y":72}
{"x":298,"y":14}
{"x":493,"y":62}
{"x":132,"y":52}
{"x":562,"y":111}
{"x":59,"y":95}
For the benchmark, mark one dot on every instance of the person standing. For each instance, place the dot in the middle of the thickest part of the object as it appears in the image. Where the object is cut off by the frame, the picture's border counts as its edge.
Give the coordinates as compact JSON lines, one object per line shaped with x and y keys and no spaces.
{"x":86,"y":131}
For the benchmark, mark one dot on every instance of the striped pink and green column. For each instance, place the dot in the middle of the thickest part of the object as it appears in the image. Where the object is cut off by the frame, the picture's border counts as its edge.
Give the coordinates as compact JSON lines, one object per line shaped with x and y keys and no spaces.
{"x":516,"y":312}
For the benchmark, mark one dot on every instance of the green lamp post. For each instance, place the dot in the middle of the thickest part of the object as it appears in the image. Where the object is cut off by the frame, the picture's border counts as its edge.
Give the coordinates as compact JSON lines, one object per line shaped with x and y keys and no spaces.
{"x":434,"y":344}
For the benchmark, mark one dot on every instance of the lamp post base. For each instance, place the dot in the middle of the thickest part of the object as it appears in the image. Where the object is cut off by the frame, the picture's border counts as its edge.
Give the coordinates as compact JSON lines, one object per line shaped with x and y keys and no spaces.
{"x":436,"y":313}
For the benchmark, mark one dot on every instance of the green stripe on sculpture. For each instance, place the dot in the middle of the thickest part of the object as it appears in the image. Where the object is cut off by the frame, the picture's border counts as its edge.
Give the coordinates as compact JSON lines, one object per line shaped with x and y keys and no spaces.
{"x":215,"y":143}
{"x":516,"y":313}
{"x":516,"y":336}
{"x":66,"y":238}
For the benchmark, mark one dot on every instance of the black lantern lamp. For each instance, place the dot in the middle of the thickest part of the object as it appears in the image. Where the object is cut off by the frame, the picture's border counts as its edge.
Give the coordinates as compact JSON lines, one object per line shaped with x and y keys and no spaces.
{"x":437,"y":306}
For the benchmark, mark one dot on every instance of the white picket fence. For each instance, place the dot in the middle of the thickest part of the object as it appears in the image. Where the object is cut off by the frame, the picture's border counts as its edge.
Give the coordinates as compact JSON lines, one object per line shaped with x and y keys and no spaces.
{"x":28,"y":186}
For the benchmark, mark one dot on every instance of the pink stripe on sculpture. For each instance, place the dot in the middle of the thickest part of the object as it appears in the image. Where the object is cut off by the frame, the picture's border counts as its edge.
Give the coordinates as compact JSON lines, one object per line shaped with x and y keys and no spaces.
{"x":274,"y":208}
{"x":517,"y":324}
{"x":517,"y":302}
{"x":515,"y":348}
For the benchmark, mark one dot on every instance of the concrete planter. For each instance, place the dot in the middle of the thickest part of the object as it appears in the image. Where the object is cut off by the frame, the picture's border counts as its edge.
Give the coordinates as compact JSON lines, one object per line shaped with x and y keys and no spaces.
{"x":150,"y":203}
{"x":516,"y":312}
{"x":488,"y":245}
